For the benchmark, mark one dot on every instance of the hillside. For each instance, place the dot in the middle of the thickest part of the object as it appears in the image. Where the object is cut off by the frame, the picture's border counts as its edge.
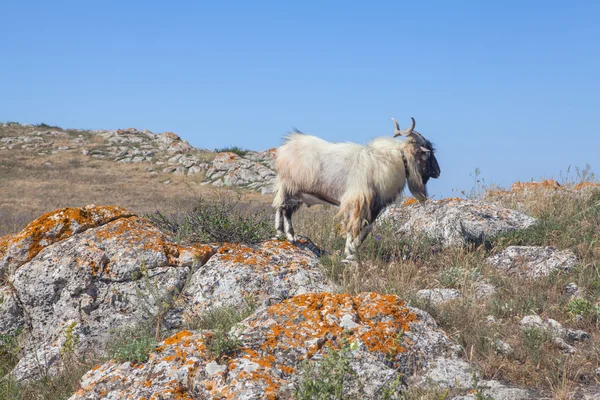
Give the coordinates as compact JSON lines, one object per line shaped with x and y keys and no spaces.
{"x":44,"y":167}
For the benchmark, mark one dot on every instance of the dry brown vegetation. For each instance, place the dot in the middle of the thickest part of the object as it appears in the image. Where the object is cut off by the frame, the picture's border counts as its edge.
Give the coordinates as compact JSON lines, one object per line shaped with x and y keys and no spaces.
{"x":33,"y":184}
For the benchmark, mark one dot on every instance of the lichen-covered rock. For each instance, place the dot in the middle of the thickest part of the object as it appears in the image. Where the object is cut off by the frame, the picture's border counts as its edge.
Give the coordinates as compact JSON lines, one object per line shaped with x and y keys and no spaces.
{"x":383,"y":338}
{"x":264,"y":274}
{"x":11,"y":315}
{"x":50,"y":228}
{"x":533,"y":261}
{"x":87,"y":278}
{"x":454,"y":222}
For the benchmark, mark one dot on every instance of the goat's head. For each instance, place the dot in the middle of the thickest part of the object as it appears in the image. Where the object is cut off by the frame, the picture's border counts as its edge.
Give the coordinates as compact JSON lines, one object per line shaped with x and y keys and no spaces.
{"x":421,"y":162}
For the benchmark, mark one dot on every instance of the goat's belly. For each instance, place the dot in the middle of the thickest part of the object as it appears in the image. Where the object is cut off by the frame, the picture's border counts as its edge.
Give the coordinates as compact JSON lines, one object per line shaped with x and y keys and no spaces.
{"x":311,"y":200}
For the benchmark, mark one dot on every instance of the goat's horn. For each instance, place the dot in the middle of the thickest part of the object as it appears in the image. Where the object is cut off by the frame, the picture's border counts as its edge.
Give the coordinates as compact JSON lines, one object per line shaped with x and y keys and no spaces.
{"x":404,"y":132}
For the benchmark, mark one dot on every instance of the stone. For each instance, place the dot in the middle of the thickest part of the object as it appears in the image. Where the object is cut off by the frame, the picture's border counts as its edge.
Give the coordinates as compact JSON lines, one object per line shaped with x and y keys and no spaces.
{"x":439,"y":296}
{"x":82,"y":273}
{"x":533,"y":261}
{"x":274,"y":341}
{"x":454,"y":222}
{"x":557,"y":333}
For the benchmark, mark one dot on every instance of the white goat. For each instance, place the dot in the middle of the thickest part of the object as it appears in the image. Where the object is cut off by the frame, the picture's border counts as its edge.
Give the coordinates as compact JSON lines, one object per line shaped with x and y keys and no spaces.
{"x":360,"y":180}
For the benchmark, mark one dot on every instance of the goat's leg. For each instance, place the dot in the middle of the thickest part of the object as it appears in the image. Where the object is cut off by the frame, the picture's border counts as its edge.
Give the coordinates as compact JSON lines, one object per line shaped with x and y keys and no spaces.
{"x":279,"y":222}
{"x":353,"y":243}
{"x":288,"y":211}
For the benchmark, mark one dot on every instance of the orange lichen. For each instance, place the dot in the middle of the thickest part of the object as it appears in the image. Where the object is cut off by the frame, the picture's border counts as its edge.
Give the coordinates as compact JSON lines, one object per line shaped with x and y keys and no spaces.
{"x":4,"y":241}
{"x":176,"y":338}
{"x":410,"y":201}
{"x":545,"y":184}
{"x":58,"y":225}
{"x":379,"y":337}
{"x":579,"y":186}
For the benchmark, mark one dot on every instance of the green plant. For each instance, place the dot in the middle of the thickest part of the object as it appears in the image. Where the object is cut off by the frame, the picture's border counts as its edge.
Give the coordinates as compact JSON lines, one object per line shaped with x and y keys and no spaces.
{"x":221,"y":344}
{"x":533,"y":339}
{"x":221,"y":318}
{"x":332,"y":377}
{"x":131,"y":344}
{"x":71,"y":340}
{"x":46,"y":126}
{"x":233,"y":149}
{"x":220,"y":220}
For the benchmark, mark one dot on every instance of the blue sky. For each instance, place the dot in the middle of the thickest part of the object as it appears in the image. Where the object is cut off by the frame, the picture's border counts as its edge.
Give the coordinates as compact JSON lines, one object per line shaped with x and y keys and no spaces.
{"x":509,"y":87}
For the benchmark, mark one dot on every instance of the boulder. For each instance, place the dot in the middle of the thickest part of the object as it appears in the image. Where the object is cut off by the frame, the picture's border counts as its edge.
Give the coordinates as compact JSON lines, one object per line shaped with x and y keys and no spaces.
{"x":78,"y":277}
{"x":378,"y":336}
{"x":533,"y":261}
{"x":453,"y":222}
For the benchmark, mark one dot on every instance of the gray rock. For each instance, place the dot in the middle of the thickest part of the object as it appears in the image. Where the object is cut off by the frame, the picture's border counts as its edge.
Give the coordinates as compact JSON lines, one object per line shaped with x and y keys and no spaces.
{"x":533,"y":261}
{"x":454,"y":222}
{"x":78,"y":288}
{"x":274,"y":340}
{"x":439,"y":296}
{"x":556,"y":332}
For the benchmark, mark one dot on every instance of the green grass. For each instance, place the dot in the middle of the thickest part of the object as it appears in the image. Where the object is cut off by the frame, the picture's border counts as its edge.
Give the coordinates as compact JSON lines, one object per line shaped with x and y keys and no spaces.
{"x":134,"y":345}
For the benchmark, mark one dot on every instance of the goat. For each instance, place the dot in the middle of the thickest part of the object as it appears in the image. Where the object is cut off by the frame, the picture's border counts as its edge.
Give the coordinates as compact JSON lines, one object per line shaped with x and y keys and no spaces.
{"x":360,"y":180}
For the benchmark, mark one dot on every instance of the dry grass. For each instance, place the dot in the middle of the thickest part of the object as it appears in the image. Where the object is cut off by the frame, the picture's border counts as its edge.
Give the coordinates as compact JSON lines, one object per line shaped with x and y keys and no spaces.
{"x":567,"y":221}
{"x":33,"y":184}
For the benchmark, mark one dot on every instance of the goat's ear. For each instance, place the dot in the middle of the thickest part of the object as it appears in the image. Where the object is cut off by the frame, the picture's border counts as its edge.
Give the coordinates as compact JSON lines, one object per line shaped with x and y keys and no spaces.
{"x":425,"y":149}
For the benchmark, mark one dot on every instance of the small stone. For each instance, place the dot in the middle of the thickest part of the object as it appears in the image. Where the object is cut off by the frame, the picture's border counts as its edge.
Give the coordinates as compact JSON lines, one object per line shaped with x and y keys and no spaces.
{"x":503,"y":348}
{"x":572,"y":289}
{"x":439,"y":296}
{"x":490,"y":319}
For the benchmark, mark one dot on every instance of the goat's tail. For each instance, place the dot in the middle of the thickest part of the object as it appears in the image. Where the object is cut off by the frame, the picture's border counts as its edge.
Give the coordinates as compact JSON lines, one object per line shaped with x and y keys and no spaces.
{"x":355,"y":211}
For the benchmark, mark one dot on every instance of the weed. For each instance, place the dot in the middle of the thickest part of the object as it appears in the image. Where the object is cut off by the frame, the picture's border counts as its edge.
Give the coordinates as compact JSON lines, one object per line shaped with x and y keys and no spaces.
{"x":329,"y":378}
{"x":221,"y":344}
{"x":131,"y":344}
{"x":221,"y":318}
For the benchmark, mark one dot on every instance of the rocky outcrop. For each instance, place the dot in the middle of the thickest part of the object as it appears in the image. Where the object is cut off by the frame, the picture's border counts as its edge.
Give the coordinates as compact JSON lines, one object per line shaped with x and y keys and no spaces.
{"x":78,"y":274}
{"x":533,"y":261}
{"x":164,"y":152}
{"x":382,"y":339}
{"x":255,"y":171}
{"x":453,"y":222}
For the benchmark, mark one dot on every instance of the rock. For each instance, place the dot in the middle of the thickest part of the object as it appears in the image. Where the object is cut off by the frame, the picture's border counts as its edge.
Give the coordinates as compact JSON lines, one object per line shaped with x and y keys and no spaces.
{"x":572,"y":289}
{"x":449,"y":373}
{"x":267,"y":273}
{"x":11,"y":315}
{"x":533,"y":261}
{"x":556,"y":332}
{"x":484,"y":290}
{"x":82,"y":273}
{"x":454,"y":222}
{"x":438,"y":296}
{"x":274,"y":341}
{"x":503,"y":348}
{"x":51,"y":228}
{"x":253,"y":170}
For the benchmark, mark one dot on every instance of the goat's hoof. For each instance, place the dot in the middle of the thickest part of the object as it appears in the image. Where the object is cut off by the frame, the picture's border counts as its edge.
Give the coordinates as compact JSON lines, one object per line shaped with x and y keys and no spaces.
{"x":291,"y":239}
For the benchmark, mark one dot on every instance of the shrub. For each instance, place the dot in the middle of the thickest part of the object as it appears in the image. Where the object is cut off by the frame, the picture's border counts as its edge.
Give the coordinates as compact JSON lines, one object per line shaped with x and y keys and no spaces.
{"x":233,"y":149}
{"x":219,"y":220}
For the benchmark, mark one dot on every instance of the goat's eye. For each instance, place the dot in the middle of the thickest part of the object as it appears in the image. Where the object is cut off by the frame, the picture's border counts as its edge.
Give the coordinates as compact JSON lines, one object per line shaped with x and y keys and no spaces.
{"x":424,"y":155}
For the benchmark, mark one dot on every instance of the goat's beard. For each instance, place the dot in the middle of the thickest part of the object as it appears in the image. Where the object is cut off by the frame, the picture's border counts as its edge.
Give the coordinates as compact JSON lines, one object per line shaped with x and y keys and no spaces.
{"x":416,"y":185}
